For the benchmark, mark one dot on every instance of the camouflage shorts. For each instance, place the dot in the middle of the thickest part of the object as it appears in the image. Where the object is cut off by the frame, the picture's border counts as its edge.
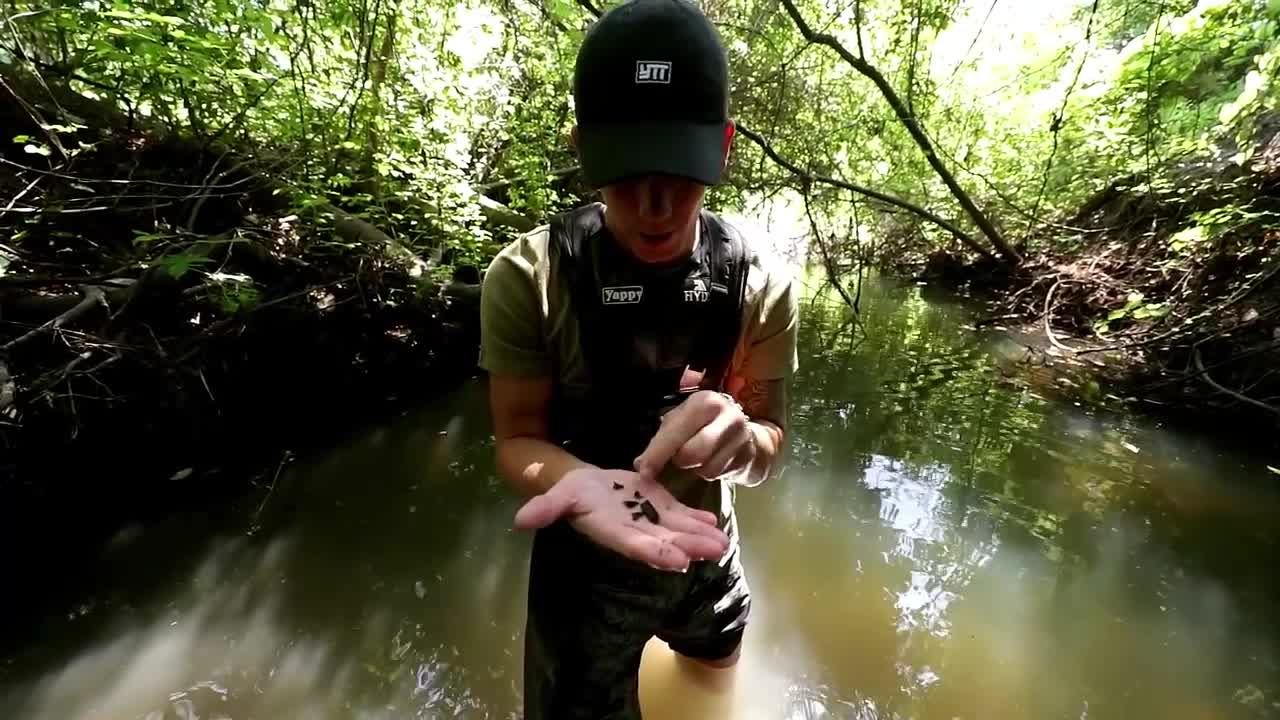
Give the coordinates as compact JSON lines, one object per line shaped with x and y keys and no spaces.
{"x":591,"y":612}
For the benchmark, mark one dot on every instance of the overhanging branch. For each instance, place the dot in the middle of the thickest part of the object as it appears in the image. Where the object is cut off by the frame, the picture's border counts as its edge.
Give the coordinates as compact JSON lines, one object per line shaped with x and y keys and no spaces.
{"x":796,"y":170}
{"x":913,"y":127}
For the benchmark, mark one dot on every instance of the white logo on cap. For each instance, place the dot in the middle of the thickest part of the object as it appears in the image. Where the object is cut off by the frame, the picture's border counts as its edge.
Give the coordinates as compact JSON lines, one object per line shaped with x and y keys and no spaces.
{"x":653,"y":71}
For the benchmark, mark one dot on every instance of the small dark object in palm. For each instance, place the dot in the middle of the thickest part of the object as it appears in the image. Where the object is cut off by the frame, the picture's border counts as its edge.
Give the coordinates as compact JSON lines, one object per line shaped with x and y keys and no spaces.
{"x":617,"y":486}
{"x":649,"y":511}
{"x":630,"y":503}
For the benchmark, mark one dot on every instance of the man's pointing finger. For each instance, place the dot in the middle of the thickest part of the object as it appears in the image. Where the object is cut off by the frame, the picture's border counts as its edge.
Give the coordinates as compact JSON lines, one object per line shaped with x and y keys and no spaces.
{"x":678,"y":427}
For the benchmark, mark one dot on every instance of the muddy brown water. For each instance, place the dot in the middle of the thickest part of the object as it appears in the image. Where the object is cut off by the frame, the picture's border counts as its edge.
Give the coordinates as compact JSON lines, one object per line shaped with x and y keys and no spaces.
{"x":946,"y":542}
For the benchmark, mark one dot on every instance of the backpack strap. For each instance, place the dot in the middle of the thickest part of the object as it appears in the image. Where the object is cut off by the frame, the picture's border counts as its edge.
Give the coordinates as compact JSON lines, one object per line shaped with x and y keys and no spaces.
{"x":619,"y":412}
{"x":577,"y":267}
{"x":730,"y":260}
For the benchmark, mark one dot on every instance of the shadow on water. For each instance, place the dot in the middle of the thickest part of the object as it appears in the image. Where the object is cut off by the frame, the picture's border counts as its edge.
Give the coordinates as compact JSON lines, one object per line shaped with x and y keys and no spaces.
{"x":946,"y":542}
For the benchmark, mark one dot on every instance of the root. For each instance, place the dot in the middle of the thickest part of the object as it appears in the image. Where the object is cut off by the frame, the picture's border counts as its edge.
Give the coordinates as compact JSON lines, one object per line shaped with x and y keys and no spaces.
{"x":1204,"y":375}
{"x":93,"y":296}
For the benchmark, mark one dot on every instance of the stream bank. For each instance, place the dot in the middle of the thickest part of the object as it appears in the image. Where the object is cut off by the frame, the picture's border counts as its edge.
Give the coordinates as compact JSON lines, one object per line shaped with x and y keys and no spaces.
{"x":1166,"y":296}
{"x":175,"y":327}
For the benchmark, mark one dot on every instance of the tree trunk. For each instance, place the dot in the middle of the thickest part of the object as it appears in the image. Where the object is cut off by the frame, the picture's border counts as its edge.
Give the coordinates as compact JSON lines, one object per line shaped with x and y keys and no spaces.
{"x":913,"y":127}
{"x":378,"y":72}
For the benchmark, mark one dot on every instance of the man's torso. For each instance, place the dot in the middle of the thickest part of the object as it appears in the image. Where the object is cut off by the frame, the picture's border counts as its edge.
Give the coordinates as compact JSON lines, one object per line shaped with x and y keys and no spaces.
{"x":528,"y":273}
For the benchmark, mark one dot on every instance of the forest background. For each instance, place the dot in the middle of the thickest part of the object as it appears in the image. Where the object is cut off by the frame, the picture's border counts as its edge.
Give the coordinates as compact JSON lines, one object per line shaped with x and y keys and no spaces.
{"x":230,"y":224}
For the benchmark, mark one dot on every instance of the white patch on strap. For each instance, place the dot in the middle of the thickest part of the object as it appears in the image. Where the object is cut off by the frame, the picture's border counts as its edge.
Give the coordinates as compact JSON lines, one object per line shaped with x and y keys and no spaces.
{"x":622,"y":294}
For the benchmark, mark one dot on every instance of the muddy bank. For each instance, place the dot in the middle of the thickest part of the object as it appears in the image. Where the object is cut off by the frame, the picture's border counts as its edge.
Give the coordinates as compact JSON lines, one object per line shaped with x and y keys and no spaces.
{"x":1168,"y":300}
{"x":173,"y":324}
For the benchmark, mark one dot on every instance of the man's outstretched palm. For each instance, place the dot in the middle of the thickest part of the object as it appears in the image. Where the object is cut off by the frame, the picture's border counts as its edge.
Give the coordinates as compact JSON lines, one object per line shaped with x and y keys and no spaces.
{"x":706,"y":433}
{"x":631,"y":514}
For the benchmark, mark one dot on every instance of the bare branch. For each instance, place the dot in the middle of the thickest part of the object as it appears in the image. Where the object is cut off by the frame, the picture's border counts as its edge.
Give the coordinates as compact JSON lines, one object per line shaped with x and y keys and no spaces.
{"x":857,"y":25}
{"x":28,"y":281}
{"x":20,"y":195}
{"x":93,"y":295}
{"x":1060,"y":117}
{"x":36,"y":117}
{"x":1048,"y":319}
{"x":913,"y":127}
{"x":590,"y":8}
{"x":959,"y":234}
{"x":117,"y":181}
{"x":1195,"y":355}
{"x":559,"y":173}
{"x":826,"y":255}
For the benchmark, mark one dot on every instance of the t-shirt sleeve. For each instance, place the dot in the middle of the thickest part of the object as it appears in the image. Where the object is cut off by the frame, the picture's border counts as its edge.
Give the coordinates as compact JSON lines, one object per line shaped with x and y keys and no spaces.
{"x":511,"y":338}
{"x":770,"y":349}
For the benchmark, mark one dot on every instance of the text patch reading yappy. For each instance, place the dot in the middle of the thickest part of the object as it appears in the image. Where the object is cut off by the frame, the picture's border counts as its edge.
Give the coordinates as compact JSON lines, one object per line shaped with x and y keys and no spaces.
{"x":622,"y":295}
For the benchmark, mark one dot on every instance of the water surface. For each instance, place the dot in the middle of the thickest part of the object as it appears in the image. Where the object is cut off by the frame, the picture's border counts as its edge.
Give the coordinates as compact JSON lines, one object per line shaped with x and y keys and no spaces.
{"x":947,"y":541}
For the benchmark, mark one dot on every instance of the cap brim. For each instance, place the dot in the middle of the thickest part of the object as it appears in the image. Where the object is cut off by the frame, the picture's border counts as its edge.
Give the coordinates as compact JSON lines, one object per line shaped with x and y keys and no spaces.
{"x":616,"y":152}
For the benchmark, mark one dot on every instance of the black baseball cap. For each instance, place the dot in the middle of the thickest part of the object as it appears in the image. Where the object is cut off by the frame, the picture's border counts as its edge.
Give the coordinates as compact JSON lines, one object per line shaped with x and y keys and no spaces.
{"x":651,"y":94}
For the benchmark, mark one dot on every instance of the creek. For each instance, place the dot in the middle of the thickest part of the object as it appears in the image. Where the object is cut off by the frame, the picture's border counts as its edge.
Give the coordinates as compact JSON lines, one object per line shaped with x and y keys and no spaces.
{"x":950,"y":539}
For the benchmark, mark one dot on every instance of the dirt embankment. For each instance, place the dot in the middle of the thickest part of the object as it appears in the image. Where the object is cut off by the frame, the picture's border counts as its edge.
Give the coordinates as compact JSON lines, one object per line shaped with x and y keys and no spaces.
{"x":171,"y":322}
{"x":1170,"y":298}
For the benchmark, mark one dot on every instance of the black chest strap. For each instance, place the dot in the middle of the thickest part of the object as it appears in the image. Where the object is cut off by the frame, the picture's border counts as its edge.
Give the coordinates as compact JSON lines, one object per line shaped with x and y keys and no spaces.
{"x":642,"y":327}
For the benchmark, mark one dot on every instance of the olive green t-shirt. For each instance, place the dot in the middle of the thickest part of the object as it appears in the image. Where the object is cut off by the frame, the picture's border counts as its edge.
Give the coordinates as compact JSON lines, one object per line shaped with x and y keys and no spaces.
{"x":528,"y":329}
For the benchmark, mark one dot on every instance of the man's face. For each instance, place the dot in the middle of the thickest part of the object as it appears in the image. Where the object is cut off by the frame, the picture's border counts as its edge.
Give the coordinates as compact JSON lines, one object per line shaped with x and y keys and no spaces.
{"x":654,"y":217}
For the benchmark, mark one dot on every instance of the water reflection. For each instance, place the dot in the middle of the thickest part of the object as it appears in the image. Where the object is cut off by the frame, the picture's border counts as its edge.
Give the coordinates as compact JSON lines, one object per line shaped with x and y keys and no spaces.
{"x":947,"y":542}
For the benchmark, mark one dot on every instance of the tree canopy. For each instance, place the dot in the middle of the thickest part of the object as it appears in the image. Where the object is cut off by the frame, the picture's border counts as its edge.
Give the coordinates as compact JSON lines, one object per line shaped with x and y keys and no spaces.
{"x":1141,"y":129}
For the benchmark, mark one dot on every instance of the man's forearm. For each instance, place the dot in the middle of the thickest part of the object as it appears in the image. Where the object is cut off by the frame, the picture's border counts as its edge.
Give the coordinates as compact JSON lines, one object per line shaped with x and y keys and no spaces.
{"x":532,"y":465}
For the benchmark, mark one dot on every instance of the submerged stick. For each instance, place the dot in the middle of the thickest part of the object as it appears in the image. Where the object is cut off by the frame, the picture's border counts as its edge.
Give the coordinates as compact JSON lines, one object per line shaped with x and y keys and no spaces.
{"x":1204,"y":375}
{"x":93,"y":295}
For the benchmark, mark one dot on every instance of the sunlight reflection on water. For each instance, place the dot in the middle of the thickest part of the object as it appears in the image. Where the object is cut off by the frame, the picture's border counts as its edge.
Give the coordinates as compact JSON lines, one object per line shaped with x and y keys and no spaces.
{"x":953,"y":550}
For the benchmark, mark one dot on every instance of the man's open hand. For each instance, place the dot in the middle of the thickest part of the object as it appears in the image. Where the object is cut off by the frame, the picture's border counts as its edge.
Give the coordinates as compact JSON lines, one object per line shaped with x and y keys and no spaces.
{"x":630,"y":514}
{"x":707,"y":433}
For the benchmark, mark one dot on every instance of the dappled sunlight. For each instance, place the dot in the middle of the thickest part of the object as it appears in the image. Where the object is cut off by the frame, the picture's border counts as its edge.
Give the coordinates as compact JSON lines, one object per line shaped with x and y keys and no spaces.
{"x":939,"y":547}
{"x":222,"y":648}
{"x":241,"y":643}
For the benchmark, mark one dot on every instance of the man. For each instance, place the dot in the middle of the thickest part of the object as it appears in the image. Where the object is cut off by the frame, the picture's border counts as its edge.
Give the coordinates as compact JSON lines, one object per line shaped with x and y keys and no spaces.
{"x":638,"y":354}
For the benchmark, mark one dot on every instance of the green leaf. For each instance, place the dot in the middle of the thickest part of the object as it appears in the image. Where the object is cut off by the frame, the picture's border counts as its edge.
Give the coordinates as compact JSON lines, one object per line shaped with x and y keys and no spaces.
{"x":1153,"y":310}
{"x":178,"y":265}
{"x":1186,"y":237}
{"x":247,"y":73}
{"x":21,"y":138}
{"x":122,"y":14}
{"x":141,"y":238}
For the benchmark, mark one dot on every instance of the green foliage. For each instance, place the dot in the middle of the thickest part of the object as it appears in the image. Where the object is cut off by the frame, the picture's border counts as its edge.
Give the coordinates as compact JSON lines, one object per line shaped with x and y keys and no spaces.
{"x":1136,"y":307}
{"x":403,"y":111}
{"x":1174,"y":79}
{"x":395,"y":109}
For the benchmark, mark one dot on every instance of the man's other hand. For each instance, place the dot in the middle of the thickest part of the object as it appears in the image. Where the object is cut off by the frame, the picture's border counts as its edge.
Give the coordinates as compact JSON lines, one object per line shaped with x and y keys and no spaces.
{"x":631,"y":514}
{"x":708,"y":434}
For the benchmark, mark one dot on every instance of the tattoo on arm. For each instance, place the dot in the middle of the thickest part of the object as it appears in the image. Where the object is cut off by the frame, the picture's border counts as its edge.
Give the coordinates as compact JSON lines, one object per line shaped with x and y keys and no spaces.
{"x":765,"y":400}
